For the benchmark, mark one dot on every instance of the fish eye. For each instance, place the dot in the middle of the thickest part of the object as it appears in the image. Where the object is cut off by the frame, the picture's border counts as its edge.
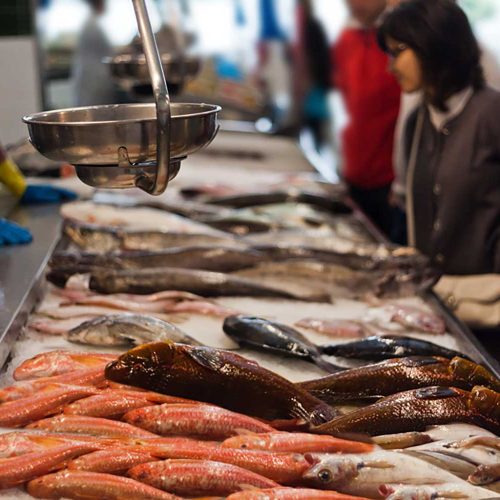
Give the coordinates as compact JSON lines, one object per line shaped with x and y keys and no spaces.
{"x":243,"y":446}
{"x":324,"y":475}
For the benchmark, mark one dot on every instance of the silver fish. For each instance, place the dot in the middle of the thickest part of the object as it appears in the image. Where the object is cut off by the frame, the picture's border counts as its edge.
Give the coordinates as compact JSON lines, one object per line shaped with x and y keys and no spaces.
{"x":124,"y":329}
{"x":363,"y":475}
{"x":101,"y":239}
{"x":452,"y":490}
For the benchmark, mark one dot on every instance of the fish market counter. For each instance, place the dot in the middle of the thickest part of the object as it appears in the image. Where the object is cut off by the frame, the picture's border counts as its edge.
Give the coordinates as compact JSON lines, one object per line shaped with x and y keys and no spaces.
{"x":256,"y":289}
{"x":22,"y":268}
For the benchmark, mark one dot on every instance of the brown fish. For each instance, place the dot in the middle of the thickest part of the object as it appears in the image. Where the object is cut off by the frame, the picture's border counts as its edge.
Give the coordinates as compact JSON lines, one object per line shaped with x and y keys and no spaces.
{"x":416,"y":409}
{"x":217,"y":377}
{"x":397,"y":375}
{"x":146,"y":281}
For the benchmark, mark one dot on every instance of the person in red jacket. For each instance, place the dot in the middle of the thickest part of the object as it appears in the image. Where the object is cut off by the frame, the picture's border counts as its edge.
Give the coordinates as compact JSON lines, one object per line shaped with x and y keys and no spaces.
{"x":371,"y":97}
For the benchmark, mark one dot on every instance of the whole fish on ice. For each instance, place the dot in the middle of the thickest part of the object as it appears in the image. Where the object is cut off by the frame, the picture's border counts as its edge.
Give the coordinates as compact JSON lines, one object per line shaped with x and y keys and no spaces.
{"x":124,"y":329}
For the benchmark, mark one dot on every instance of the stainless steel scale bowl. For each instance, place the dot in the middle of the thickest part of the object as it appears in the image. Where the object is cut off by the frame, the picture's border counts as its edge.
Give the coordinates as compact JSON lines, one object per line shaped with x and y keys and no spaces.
{"x":127,"y":145}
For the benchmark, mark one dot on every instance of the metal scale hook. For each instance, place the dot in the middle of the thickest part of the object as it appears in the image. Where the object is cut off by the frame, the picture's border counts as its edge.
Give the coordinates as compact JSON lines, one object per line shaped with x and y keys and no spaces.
{"x":162,"y":101}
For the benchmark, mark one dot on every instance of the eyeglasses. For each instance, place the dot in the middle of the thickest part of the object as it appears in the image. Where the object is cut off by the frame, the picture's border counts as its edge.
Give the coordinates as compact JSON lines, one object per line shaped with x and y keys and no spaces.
{"x":395,"y":52}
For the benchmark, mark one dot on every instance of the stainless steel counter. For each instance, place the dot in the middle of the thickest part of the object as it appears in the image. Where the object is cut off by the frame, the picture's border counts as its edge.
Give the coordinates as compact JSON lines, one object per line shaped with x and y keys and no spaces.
{"x":21,"y":270}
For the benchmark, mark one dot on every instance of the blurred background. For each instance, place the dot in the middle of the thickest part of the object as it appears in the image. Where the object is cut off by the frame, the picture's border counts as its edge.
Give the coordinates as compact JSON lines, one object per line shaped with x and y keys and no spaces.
{"x":247,"y":55}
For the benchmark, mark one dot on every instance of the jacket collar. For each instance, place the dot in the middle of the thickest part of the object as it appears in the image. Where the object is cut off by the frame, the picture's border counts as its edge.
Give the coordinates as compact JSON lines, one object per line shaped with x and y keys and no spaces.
{"x":455,"y":104}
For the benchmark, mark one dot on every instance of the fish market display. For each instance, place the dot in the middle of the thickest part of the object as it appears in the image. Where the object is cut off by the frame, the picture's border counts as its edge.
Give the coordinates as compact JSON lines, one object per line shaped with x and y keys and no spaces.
{"x":289,"y":283}
{"x":123,"y":329}
{"x":109,"y":439}
{"x":388,"y":346}
{"x":397,"y":375}
{"x":216,"y":377}
{"x":263,"y":334}
{"x":415,"y":409}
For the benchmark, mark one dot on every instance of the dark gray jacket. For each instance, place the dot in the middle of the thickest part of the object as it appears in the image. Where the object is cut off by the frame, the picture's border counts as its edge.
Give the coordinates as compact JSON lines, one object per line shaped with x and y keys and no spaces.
{"x":456,"y":187}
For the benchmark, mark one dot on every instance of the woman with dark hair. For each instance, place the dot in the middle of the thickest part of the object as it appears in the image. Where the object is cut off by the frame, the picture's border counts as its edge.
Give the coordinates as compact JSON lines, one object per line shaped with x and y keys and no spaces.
{"x":452,"y":140}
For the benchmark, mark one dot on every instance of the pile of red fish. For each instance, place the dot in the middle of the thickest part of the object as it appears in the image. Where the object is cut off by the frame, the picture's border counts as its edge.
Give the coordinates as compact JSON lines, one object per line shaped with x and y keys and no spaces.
{"x":86,"y":437}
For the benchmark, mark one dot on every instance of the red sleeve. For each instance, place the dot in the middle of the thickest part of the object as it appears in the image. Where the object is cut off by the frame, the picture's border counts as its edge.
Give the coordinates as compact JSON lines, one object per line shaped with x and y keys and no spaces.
{"x":336,"y":59}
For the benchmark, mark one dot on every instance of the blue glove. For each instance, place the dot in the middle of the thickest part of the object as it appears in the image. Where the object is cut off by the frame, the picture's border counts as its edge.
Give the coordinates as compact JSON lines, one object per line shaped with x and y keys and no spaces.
{"x":37,"y":194}
{"x":13,"y":234}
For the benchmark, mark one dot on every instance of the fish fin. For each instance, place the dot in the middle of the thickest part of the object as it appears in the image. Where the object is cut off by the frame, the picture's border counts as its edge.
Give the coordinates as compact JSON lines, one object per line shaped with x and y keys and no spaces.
{"x":208,"y":358}
{"x":312,"y":459}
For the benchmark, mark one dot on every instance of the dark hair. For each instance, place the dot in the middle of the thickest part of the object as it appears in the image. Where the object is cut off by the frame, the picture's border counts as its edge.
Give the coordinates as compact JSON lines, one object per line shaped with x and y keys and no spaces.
{"x":441,"y":36}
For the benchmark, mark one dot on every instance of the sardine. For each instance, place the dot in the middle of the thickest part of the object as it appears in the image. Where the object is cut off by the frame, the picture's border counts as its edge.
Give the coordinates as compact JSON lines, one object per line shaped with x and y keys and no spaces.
{"x":388,"y":346}
{"x":123,"y":329}
{"x":209,"y":258}
{"x":92,"y":485}
{"x":194,"y":478}
{"x":206,"y":283}
{"x":96,"y":238}
{"x":217,"y":377}
{"x":397,"y":375}
{"x":414,"y":410}
{"x":265,"y":335}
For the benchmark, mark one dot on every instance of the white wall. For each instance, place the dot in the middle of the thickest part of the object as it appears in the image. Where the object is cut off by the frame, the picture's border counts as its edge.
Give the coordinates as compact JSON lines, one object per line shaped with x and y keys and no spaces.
{"x":19,"y":86}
